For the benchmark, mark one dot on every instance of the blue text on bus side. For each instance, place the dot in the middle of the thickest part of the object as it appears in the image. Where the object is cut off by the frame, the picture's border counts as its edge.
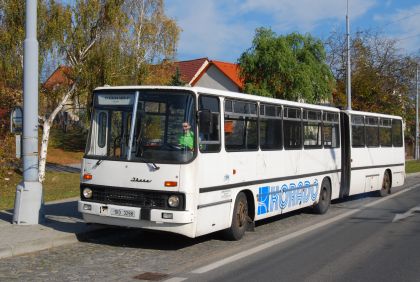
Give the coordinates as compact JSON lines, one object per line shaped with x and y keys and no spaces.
{"x":278,"y":197}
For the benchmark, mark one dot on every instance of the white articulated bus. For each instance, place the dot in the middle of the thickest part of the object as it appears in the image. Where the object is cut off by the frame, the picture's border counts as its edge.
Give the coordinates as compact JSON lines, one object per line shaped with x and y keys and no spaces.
{"x":246,"y":158}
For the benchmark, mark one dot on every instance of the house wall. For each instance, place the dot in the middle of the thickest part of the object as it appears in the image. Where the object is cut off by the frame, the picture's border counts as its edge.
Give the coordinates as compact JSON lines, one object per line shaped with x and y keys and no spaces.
{"x":214,"y":78}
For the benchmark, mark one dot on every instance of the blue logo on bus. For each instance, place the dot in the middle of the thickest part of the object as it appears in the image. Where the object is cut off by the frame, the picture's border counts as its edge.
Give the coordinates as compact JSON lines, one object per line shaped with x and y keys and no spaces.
{"x":276,"y":197}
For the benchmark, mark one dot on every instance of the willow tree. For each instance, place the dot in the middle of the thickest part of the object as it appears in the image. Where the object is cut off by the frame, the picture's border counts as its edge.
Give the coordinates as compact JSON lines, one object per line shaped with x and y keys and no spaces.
{"x":291,"y":67}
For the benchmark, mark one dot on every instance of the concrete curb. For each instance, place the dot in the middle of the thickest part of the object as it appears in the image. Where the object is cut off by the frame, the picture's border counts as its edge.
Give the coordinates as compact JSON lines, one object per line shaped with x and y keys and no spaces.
{"x":36,"y":245}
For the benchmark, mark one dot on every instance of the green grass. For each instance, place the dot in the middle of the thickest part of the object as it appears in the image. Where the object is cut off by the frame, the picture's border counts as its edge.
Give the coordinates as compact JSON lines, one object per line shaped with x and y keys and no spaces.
{"x":412,"y":166}
{"x":57,"y":186}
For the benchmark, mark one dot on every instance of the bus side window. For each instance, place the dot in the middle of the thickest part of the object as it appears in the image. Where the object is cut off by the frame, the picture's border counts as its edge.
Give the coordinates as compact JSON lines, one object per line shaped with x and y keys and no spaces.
{"x":358,"y":131}
{"x":372,"y":131}
{"x":241,"y":125}
{"x":330,"y":130}
{"x":210,"y":141}
{"x":397,"y":133}
{"x":385,"y":132}
{"x":270,"y":127}
{"x":312,"y":129}
{"x":292,"y":130}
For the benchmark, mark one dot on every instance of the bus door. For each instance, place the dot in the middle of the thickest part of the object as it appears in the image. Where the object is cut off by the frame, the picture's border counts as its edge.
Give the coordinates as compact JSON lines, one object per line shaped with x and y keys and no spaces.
{"x":100,"y":134}
{"x":345,"y":155}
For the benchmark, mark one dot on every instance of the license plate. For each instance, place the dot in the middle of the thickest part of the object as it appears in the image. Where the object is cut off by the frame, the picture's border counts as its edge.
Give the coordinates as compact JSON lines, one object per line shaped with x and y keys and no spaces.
{"x":123,"y":213}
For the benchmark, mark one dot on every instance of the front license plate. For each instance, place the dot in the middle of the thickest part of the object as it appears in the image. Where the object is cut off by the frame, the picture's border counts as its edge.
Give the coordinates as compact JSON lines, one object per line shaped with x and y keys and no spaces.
{"x":123,"y":213}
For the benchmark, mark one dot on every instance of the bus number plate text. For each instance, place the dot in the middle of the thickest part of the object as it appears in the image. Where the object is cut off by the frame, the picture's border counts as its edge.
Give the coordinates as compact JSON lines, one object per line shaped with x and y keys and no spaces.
{"x":123,"y":213}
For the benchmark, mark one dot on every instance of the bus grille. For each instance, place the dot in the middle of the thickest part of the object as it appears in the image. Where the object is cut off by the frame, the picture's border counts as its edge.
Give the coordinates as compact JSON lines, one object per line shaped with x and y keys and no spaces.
{"x":131,"y":197}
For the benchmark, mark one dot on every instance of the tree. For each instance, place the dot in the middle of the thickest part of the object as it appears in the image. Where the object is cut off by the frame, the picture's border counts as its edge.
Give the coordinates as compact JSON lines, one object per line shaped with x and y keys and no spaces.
{"x":109,"y":42}
{"x":176,"y":79}
{"x":381,"y":75}
{"x":291,"y":67}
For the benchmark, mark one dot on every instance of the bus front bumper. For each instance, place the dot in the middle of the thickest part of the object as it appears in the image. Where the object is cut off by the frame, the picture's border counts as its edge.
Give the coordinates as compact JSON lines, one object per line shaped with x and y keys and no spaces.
{"x":134,"y":214}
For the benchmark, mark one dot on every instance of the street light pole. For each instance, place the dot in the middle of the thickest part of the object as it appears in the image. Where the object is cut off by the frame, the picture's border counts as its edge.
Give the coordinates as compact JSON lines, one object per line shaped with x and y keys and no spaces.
{"x":416,"y":150}
{"x":28,"y":201}
{"x":348,"y":89}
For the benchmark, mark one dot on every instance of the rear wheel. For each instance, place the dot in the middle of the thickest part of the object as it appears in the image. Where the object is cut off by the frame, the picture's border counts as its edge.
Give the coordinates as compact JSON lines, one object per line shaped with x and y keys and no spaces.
{"x":239,"y":219}
{"x":324,"y":197}
{"x":386,"y":185}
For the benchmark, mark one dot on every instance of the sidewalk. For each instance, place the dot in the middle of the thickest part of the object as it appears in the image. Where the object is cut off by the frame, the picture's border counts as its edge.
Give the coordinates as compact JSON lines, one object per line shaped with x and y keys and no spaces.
{"x":63,"y":225}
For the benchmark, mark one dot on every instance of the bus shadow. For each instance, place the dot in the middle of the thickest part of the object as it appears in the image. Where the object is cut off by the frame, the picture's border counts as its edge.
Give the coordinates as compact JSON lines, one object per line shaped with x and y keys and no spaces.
{"x":143,"y":239}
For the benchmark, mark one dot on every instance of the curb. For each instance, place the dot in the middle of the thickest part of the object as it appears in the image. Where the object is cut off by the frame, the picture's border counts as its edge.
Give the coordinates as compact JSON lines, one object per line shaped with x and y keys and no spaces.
{"x":36,"y":245}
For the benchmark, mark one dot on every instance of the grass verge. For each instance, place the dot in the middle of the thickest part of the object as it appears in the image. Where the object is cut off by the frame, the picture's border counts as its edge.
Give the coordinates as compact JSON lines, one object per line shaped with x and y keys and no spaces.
{"x":57,"y":186}
{"x":412,"y":166}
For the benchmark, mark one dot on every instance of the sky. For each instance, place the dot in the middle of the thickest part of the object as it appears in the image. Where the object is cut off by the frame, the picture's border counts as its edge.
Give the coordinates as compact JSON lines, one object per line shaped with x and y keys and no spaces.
{"x":224,"y":29}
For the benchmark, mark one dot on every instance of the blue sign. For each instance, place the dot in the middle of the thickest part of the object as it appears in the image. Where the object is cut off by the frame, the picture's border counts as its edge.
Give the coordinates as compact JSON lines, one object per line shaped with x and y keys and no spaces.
{"x":276,"y":197}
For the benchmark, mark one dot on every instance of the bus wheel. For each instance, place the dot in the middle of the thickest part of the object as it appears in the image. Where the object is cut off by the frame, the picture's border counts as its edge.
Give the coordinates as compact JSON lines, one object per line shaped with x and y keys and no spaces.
{"x":386,"y":185}
{"x":324,"y":197}
{"x":239,"y":219}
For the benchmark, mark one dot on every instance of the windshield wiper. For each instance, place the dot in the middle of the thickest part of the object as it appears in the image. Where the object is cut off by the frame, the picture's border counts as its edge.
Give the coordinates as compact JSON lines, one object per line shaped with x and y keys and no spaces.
{"x":152,"y":164}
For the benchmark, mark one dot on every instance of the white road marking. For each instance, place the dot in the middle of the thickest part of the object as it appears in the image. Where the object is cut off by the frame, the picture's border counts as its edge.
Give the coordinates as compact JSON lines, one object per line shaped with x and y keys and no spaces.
{"x":176,"y":279}
{"x":293,"y":235}
{"x":401,"y":216}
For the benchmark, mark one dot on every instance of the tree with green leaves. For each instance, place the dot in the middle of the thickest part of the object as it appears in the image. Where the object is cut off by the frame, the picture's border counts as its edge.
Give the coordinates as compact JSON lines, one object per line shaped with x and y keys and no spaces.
{"x":111,"y":42}
{"x":100,"y":41}
{"x":291,"y":67}
{"x":176,"y":79}
{"x":382,"y":76}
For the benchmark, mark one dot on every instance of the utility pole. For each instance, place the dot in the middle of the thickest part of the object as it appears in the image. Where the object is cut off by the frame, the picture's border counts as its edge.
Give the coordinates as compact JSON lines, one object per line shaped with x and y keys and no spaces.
{"x":348,"y":88}
{"x":28,"y":201}
{"x":416,"y":150}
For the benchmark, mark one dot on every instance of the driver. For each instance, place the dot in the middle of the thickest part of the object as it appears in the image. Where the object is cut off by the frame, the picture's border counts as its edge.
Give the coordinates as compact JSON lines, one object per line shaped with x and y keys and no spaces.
{"x":186,"y":140}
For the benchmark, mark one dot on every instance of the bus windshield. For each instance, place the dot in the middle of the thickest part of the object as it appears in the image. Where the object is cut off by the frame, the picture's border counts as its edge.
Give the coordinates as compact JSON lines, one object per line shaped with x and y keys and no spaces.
{"x":153,"y":126}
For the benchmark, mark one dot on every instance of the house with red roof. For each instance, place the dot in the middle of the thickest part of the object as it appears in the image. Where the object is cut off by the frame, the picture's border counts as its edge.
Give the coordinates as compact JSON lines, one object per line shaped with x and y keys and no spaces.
{"x":210,"y":73}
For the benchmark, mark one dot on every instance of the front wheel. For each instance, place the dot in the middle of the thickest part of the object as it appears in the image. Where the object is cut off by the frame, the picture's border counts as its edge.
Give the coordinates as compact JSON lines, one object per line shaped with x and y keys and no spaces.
{"x":239,"y":219}
{"x":324,"y":197}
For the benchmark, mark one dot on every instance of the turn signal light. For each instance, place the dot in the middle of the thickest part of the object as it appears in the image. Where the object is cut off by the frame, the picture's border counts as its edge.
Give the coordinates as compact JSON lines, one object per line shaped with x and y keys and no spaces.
{"x":87,"y":176}
{"x":171,"y":183}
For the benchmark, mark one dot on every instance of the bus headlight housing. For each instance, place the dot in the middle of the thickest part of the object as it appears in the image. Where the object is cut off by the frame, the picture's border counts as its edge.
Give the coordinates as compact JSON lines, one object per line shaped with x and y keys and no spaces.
{"x":87,"y":193}
{"x":173,"y":201}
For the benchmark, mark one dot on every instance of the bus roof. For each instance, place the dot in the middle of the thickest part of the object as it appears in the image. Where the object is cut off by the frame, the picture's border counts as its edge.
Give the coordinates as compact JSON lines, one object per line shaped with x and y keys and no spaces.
{"x":224,"y":93}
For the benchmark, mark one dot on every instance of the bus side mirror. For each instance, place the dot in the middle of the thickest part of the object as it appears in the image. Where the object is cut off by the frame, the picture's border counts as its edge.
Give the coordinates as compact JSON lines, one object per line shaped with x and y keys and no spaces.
{"x":204,"y":117}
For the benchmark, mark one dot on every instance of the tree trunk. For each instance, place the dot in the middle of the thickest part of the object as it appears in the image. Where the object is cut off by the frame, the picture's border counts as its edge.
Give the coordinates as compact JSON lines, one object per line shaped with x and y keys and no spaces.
{"x":46,"y":133}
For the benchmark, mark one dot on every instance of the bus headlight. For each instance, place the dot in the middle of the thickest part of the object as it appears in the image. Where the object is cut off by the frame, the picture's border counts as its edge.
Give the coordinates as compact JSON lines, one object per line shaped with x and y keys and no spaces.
{"x":173,"y":201}
{"x":87,"y":193}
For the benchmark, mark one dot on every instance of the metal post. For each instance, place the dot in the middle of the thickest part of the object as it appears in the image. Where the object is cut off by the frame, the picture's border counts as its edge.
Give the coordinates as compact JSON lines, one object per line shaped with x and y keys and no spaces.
{"x":28,"y":202}
{"x":416,"y":150}
{"x":348,"y":89}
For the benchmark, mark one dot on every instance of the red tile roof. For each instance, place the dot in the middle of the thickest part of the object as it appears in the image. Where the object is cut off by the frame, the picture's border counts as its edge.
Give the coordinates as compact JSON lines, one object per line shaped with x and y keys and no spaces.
{"x":189,"y":69}
{"x":59,"y":77}
{"x":231,"y":71}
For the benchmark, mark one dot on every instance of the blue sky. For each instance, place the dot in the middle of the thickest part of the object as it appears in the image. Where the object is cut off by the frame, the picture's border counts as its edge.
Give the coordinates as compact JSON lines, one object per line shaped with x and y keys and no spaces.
{"x":223,"y":29}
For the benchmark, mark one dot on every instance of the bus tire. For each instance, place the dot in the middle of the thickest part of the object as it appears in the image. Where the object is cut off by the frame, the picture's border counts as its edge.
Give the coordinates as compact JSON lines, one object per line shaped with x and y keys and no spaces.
{"x":324,"y":197}
{"x":239,"y":219}
{"x":386,"y":185}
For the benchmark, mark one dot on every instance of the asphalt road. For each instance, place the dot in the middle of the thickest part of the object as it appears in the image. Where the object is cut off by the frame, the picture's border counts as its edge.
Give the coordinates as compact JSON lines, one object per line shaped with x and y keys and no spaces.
{"x":370,"y":245}
{"x":351,"y":242}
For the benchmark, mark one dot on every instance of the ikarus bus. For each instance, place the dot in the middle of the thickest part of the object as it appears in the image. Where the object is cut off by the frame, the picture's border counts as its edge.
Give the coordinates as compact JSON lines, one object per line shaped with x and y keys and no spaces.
{"x":193,"y":160}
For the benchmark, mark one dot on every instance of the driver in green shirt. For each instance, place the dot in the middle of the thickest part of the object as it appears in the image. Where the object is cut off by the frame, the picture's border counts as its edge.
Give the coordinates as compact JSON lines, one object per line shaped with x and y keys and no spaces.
{"x":186,"y":140}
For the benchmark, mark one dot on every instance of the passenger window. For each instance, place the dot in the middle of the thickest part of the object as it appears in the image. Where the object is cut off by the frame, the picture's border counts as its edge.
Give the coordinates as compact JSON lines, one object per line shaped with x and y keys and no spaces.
{"x":397,"y":133}
{"x":241,"y":125}
{"x":210,"y":140}
{"x":358,"y":131}
{"x":330,"y":130}
{"x":372,"y":131}
{"x":385,"y":132}
{"x":292,"y":121}
{"x":312,"y":129}
{"x":270,"y":127}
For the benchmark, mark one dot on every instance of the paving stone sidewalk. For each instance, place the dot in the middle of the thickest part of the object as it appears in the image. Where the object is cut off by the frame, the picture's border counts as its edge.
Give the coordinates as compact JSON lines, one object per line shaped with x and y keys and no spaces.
{"x":63,"y":224}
